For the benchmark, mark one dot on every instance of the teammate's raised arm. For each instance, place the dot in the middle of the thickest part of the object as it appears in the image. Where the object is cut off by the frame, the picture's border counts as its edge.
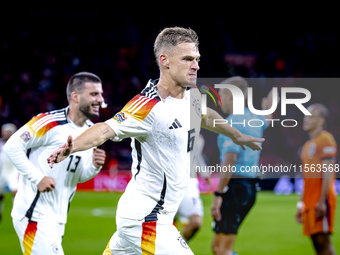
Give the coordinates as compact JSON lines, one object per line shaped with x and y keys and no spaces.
{"x":92,"y":137}
{"x":210,"y":123}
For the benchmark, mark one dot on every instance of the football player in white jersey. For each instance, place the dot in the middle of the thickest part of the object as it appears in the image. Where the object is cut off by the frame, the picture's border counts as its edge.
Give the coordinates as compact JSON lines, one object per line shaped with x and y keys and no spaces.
{"x":8,"y":173}
{"x":40,"y":207}
{"x":163,"y":121}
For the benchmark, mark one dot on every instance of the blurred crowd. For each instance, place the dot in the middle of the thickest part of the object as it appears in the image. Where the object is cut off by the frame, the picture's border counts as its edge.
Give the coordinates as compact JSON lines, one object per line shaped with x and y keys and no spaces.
{"x":39,"y":55}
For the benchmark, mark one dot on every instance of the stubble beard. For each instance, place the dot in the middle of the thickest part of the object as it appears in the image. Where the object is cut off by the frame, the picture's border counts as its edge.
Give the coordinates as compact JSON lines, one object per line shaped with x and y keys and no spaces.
{"x":86,"y":110}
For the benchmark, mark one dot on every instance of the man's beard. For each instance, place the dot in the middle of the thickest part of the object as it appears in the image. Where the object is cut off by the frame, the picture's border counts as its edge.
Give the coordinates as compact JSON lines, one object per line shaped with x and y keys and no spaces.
{"x":85,"y":109}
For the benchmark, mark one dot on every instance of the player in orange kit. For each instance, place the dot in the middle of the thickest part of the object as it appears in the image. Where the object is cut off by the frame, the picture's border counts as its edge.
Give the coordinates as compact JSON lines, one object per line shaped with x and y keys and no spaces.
{"x":316,"y":209}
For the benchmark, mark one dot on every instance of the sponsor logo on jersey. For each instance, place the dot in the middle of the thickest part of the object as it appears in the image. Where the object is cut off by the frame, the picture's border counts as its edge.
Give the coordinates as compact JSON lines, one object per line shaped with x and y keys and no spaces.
{"x":311,"y":150}
{"x":26,"y":136}
{"x":175,"y":124}
{"x":120,"y":117}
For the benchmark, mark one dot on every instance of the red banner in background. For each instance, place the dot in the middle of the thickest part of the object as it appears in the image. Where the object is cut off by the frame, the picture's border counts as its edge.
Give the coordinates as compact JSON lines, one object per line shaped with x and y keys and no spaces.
{"x":117,"y":181}
{"x":107,"y":181}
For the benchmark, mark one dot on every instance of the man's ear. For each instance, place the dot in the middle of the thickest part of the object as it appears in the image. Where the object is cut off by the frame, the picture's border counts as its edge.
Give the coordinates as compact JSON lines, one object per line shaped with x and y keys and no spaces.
{"x":164,"y":61}
{"x":75,"y":97}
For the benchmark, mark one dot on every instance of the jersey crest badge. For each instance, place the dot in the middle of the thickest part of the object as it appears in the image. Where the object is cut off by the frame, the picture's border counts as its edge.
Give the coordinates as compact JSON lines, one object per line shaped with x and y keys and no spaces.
{"x":183,"y":243}
{"x":55,"y":248}
{"x":26,"y":136}
{"x":120,"y":117}
{"x":311,"y":150}
{"x":197,"y":105}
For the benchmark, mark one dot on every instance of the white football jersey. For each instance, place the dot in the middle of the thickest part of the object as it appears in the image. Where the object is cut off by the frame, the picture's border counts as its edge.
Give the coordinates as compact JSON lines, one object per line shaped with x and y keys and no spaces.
{"x":29,"y":148}
{"x":163,"y":134}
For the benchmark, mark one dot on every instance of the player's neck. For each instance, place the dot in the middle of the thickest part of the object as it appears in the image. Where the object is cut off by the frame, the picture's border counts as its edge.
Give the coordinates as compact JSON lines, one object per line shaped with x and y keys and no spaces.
{"x":168,"y":87}
{"x":313,"y":133}
{"x":76,"y":116}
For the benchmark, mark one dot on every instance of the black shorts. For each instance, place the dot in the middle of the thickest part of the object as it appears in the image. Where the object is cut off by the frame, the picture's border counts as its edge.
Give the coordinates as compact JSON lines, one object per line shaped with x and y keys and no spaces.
{"x":237,"y":202}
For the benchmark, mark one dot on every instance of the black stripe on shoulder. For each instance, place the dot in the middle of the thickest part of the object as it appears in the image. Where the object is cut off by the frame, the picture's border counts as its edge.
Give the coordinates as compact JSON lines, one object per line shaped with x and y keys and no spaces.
{"x":60,"y":119}
{"x":60,"y":114}
{"x":58,"y":111}
{"x":62,"y":122}
{"x":151,"y":91}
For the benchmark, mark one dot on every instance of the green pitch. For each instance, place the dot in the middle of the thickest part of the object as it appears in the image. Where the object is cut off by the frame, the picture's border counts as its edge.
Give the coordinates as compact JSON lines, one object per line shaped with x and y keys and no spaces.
{"x":270,"y":227}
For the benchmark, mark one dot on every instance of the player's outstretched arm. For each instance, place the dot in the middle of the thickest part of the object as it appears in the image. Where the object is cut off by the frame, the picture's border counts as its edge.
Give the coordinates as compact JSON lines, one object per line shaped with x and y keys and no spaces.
{"x":214,"y":122}
{"x":92,"y":137}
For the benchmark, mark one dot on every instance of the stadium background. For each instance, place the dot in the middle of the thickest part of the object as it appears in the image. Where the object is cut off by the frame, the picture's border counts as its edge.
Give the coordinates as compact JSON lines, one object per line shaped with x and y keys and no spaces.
{"x":40,"y":48}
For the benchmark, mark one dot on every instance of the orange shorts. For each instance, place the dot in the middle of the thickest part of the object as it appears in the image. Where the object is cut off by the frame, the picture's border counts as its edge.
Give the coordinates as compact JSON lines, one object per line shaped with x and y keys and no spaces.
{"x":313,"y":225}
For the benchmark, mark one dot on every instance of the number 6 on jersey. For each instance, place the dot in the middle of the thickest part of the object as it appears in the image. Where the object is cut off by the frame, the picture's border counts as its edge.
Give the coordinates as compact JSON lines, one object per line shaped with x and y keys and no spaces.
{"x":191,"y":139}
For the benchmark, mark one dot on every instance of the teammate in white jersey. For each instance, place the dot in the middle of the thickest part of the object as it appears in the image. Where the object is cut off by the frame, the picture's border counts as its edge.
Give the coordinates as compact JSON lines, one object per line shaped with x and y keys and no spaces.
{"x":41,"y":204}
{"x":163,"y":121}
{"x":8,"y":173}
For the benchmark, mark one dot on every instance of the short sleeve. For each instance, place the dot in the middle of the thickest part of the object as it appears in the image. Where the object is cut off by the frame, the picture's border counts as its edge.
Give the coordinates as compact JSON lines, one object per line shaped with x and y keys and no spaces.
{"x":135,"y":119}
{"x":126,"y":126}
{"x":328,"y":148}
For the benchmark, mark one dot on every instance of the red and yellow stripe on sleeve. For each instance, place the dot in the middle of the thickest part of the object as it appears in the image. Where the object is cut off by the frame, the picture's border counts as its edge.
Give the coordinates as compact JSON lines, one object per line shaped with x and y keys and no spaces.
{"x":39,"y":125}
{"x":148,"y":243}
{"x":140,"y":106}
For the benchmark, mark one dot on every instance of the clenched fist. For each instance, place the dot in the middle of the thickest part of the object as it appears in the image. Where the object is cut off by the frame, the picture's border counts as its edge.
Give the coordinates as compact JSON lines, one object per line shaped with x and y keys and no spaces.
{"x":46,"y":184}
{"x":98,"y":158}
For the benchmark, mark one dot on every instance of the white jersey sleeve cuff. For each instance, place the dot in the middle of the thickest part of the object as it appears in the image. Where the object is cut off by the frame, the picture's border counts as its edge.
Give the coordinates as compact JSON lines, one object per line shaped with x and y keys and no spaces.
{"x":89,"y":173}
{"x":95,"y":169}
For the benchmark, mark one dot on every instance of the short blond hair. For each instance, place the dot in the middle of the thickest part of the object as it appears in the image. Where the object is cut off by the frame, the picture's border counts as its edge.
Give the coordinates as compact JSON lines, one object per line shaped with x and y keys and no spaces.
{"x":171,"y":37}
